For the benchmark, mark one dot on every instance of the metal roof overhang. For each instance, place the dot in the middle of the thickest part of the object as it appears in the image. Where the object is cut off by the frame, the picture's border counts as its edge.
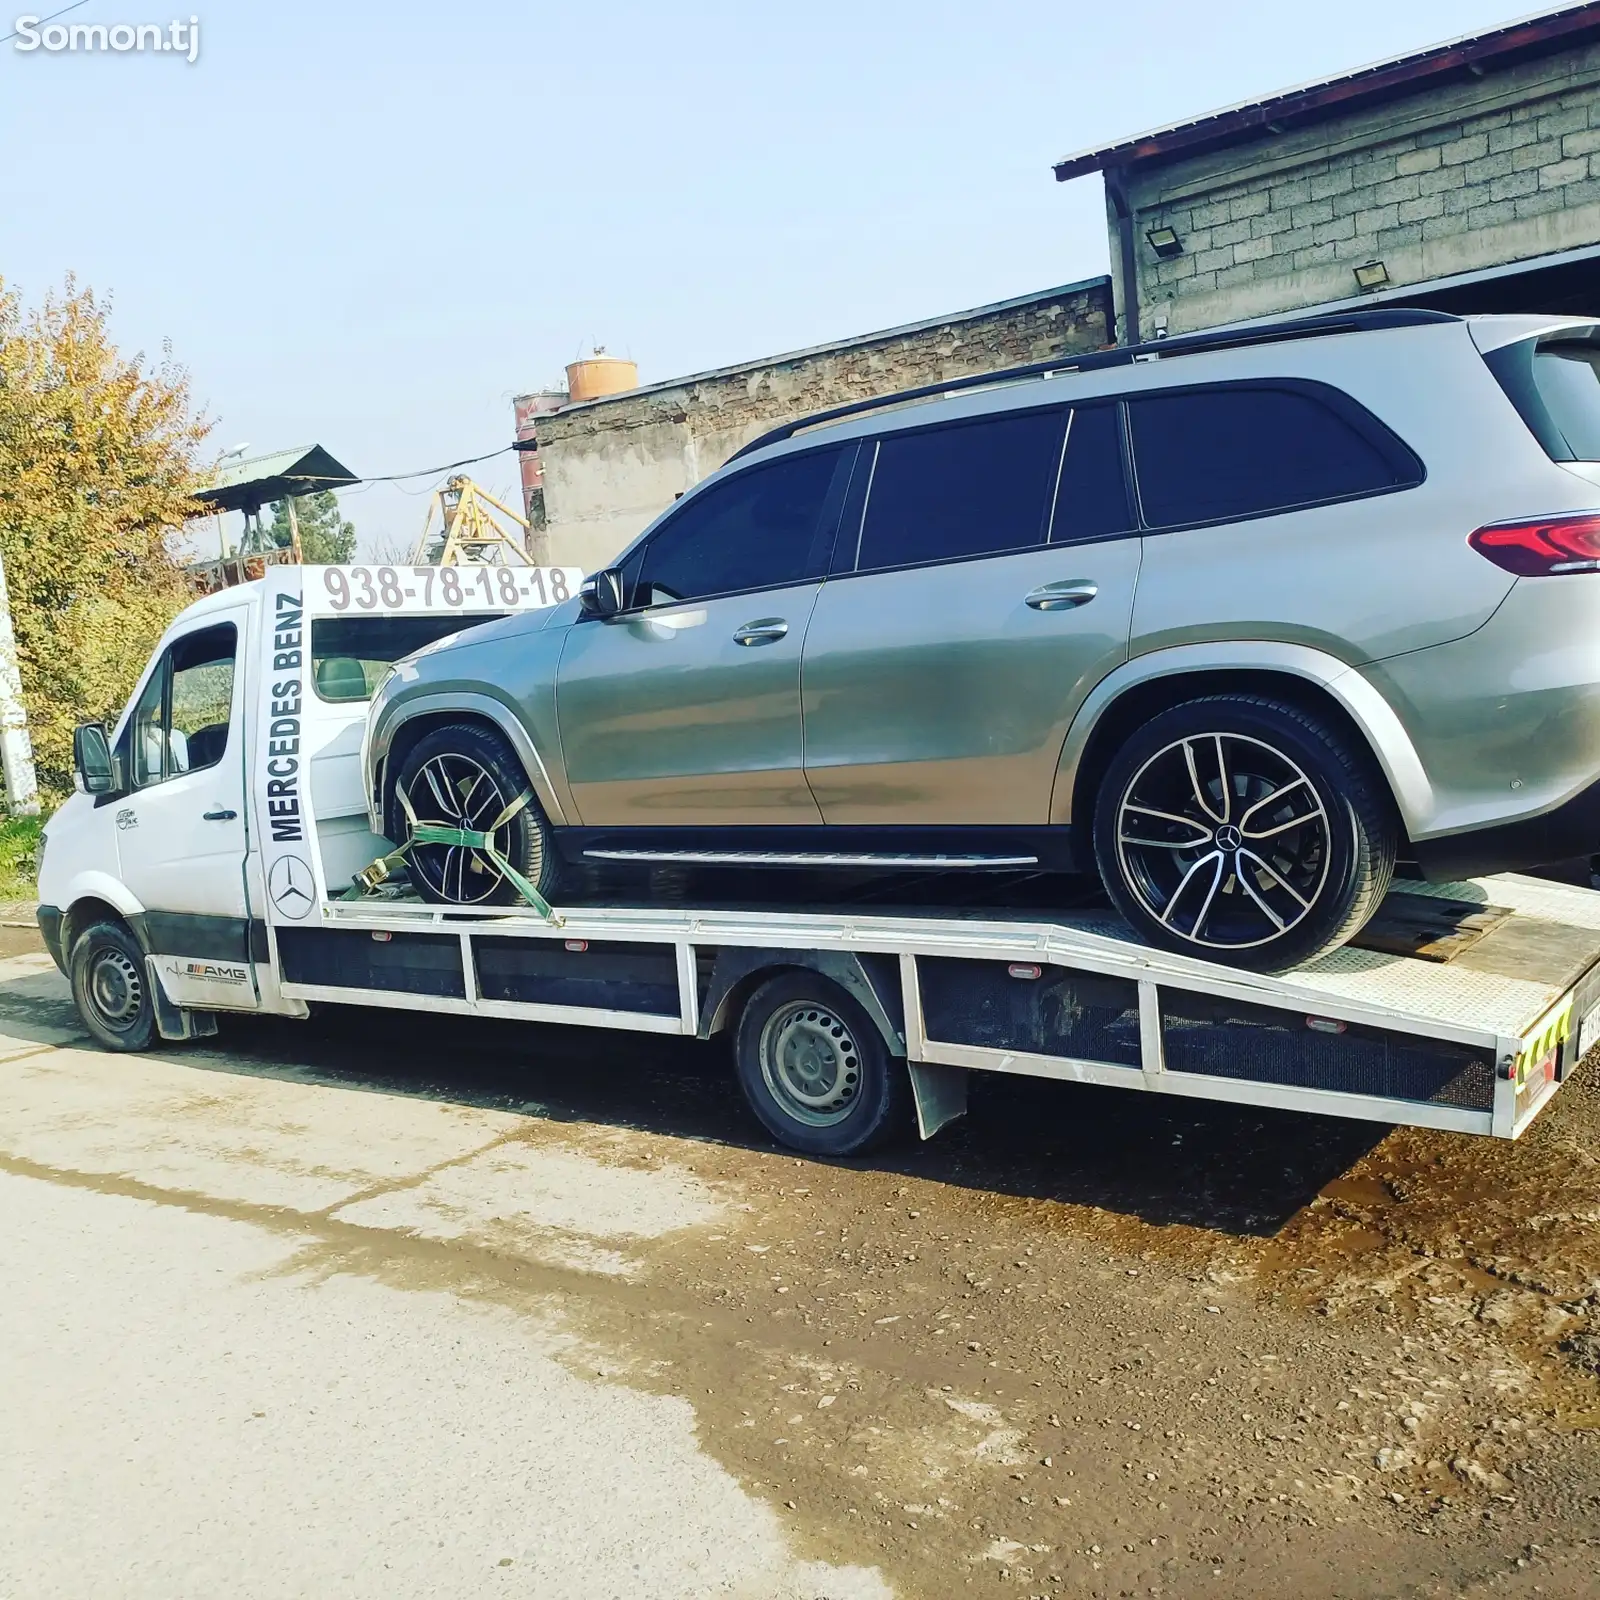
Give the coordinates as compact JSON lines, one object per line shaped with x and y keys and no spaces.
{"x":249,"y":485}
{"x":1382,"y":81}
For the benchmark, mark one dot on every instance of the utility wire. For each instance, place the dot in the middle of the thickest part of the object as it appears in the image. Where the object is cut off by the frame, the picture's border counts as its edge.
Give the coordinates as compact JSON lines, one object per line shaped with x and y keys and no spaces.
{"x":40,"y":21}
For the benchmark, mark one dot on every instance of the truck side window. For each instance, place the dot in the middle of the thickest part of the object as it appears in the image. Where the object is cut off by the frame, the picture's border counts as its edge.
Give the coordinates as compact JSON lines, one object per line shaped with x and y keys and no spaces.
{"x":181,"y":721}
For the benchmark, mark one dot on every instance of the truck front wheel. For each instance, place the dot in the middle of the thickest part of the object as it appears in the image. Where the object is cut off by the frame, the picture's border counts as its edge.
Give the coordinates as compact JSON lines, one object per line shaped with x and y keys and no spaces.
{"x":815,"y":1070}
{"x":111,"y":987}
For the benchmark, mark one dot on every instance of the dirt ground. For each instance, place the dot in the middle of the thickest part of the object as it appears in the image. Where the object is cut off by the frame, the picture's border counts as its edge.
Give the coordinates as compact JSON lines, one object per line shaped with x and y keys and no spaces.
{"x":1083,"y":1343}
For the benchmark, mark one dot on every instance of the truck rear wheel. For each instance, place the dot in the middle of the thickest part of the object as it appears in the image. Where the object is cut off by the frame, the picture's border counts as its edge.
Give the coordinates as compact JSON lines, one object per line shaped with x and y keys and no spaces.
{"x":815,"y":1069}
{"x":463,"y":776}
{"x":111,"y":987}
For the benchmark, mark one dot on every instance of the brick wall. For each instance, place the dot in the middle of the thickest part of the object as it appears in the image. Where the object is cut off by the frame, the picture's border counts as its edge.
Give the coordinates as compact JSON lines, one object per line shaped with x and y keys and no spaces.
{"x":1474,"y":175}
{"x":611,"y":465}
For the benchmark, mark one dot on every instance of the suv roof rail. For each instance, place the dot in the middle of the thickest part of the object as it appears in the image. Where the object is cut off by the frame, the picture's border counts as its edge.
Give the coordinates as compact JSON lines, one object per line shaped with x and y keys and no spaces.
{"x":1117,"y":356}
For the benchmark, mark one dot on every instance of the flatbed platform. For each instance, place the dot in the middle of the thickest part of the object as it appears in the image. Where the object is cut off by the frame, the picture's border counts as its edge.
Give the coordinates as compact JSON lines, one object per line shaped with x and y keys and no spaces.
{"x":1476,"y":1039}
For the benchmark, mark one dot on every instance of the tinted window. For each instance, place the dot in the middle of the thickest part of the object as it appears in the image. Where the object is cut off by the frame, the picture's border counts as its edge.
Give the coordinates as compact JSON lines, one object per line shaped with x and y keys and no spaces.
{"x":1092,"y":497}
{"x":1211,"y":454}
{"x":349,"y":655}
{"x":964,"y":490}
{"x":1568,"y":380}
{"x":756,"y":530}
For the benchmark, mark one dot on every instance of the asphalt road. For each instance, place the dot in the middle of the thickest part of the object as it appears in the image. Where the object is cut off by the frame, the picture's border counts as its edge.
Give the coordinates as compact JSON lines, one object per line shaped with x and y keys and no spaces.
{"x":387,"y":1305}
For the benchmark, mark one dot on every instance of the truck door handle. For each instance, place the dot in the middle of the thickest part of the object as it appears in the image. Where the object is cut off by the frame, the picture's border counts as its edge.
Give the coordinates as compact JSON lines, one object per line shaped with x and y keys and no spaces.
{"x":220,"y":815}
{"x":1063,"y":596}
{"x":765,"y":630}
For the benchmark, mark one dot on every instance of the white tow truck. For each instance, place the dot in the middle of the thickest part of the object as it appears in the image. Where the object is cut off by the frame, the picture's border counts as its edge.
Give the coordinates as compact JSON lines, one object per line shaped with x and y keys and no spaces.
{"x":206,"y":867}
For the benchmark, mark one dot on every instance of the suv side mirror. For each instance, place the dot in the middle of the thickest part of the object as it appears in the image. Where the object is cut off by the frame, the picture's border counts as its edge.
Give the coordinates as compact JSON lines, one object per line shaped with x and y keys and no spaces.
{"x":600,"y":594}
{"x":92,"y":761}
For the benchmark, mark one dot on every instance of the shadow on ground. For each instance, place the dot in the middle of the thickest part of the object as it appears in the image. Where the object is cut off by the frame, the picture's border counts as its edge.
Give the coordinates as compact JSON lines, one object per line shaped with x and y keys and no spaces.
{"x":1236,"y":1170}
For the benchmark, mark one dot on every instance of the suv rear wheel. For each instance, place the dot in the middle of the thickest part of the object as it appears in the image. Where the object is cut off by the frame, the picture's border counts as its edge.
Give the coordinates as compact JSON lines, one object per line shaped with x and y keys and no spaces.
{"x":1240,"y":830}
{"x":463,"y":776}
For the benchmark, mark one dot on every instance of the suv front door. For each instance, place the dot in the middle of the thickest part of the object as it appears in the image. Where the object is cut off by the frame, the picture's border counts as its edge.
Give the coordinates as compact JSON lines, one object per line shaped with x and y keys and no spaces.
{"x":683,"y":709}
{"x":990,"y":588}
{"x":181,"y":818}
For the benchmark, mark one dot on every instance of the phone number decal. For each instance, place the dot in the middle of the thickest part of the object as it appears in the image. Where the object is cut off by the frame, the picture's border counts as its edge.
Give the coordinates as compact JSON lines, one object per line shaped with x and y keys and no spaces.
{"x":448,"y":588}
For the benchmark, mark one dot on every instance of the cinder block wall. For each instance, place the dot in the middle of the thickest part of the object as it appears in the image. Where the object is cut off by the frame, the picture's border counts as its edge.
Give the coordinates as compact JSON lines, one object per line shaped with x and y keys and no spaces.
{"x":612,"y":465}
{"x":1456,"y":179}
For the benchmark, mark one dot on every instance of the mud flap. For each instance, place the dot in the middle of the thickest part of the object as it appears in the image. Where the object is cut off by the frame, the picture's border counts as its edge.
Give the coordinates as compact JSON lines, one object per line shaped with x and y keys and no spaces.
{"x":940,"y":1093}
{"x":176,"y":1022}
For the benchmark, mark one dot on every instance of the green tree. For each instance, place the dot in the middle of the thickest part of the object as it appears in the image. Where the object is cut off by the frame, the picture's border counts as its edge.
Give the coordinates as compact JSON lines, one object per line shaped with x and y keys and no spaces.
{"x":98,"y":455}
{"x":326,"y":539}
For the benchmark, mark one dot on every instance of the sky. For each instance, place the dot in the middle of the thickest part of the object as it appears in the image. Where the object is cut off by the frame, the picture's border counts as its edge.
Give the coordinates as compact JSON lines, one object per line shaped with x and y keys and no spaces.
{"x":369,"y":225}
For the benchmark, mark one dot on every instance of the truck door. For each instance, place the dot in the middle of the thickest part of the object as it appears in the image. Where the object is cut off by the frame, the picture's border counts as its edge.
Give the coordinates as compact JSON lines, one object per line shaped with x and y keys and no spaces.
{"x":181,"y":817}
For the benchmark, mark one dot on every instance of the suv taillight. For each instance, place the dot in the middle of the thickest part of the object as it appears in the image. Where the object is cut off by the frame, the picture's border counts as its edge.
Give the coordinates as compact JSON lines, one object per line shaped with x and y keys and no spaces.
{"x":1542,"y":547}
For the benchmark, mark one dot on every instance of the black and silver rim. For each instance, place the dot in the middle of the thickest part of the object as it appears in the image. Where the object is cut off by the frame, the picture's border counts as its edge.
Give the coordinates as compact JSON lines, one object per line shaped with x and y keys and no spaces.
{"x":116,"y":989}
{"x":810,"y":1063}
{"x":1224,"y":841}
{"x":454,"y":791}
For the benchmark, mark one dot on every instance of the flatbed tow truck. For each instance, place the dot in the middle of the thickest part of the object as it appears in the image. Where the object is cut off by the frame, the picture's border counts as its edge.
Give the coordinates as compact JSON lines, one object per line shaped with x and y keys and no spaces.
{"x":207,"y":870}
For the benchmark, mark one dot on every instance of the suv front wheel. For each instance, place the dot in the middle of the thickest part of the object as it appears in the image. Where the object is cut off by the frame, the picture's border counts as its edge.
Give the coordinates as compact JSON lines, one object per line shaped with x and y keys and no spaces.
{"x":1240,"y":830}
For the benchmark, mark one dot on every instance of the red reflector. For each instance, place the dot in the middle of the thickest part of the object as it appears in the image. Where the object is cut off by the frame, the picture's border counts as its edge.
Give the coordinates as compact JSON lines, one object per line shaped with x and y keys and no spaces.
{"x":1326,"y":1025}
{"x":1024,"y":969}
{"x":1542,"y":547}
{"x":577,"y":946}
{"x":381,"y":938}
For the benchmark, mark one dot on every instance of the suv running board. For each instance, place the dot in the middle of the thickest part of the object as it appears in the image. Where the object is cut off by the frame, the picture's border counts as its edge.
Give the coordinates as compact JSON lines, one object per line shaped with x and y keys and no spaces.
{"x":799,"y":858}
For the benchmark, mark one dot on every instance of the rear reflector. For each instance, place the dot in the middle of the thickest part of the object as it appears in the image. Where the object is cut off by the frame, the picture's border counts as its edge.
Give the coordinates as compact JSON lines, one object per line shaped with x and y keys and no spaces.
{"x":1542,"y":547}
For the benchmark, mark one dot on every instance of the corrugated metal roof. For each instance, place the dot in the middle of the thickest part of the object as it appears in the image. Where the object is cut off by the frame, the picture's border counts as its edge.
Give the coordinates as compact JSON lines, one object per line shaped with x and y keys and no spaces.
{"x":1536,"y":34}
{"x":248,"y":485}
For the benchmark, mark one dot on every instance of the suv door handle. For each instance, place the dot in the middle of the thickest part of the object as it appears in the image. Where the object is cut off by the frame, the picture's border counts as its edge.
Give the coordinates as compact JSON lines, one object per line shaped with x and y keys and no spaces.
{"x":1064,"y":595}
{"x":220,"y":815}
{"x":764,"y":630}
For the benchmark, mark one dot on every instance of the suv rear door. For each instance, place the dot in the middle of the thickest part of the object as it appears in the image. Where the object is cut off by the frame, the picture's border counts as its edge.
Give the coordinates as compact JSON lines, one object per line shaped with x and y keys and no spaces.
{"x":982,"y":589}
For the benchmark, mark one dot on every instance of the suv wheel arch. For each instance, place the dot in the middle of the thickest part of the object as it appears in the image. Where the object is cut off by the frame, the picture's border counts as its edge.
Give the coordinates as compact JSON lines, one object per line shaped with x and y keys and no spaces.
{"x":1297,"y":675}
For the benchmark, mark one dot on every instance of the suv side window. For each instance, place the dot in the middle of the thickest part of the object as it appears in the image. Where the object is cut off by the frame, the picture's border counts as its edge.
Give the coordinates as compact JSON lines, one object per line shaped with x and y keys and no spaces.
{"x":1210,"y":455}
{"x":963,"y":489}
{"x":181,"y":721}
{"x":1092,"y":495}
{"x":762,"y":528}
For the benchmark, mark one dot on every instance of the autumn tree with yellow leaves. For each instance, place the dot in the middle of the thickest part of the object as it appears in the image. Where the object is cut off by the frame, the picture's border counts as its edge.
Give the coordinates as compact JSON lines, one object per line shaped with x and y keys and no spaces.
{"x":98,"y":457}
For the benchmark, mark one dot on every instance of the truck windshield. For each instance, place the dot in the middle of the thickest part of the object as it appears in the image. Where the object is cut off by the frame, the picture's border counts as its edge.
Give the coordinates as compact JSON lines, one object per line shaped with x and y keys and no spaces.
{"x":349,"y":655}
{"x":1555,"y":385}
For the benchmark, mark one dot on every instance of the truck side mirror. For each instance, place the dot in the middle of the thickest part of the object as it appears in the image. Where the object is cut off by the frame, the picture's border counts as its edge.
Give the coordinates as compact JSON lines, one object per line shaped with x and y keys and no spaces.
{"x":600,"y":594}
{"x":92,"y":761}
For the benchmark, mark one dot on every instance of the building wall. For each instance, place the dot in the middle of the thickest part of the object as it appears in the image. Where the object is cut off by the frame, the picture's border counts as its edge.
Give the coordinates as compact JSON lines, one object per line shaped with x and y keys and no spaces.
{"x":1460,"y":178}
{"x":612,"y":465}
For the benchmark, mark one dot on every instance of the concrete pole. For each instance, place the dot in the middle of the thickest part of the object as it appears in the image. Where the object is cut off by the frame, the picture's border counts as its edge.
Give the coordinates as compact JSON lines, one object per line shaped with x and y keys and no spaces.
{"x":16,"y":749}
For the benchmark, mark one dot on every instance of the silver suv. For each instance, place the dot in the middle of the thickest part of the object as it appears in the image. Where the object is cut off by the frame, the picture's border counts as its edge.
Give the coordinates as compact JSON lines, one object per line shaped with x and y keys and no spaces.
{"x":1236,"y":620}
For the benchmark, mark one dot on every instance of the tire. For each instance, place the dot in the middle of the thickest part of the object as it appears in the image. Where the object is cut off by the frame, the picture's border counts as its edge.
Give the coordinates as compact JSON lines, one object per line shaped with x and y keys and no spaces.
{"x":1254,"y":881}
{"x":111,"y":987}
{"x":464,"y":776}
{"x":815,"y":1069}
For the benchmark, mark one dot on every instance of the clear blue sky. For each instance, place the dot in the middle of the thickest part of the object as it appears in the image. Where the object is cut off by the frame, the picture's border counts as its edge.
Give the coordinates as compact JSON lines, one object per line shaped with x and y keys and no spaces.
{"x":369,"y":225}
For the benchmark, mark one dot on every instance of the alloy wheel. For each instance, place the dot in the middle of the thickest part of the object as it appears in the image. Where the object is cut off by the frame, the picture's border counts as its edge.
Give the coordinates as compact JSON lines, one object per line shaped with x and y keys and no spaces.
{"x":455,"y":791}
{"x":1224,"y":840}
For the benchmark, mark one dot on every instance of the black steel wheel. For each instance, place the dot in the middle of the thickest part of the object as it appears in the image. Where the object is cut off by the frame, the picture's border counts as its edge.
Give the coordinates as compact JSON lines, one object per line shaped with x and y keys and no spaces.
{"x":815,"y":1069}
{"x":1243,"y":831}
{"x":465,"y":776}
{"x":111,"y":987}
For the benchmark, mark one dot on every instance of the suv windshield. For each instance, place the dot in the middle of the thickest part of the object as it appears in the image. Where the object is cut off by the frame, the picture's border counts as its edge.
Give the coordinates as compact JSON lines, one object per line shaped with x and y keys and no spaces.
{"x":1555,"y":385}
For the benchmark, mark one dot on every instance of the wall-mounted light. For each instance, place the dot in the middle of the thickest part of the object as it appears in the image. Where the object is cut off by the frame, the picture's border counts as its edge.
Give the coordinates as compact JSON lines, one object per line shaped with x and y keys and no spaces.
{"x":1372,"y":276}
{"x":1165,"y":243}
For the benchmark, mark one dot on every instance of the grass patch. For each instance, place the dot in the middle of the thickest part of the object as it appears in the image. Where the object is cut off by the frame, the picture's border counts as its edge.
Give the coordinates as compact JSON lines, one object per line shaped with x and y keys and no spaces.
{"x":19,"y":857}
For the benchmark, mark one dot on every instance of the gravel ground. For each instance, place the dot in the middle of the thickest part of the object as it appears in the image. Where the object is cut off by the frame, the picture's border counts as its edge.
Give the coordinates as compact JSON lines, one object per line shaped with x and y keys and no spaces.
{"x":536,"y":1309}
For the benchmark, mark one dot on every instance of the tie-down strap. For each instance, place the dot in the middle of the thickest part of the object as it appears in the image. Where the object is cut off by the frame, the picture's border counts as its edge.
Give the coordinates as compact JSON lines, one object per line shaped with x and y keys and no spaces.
{"x":480,"y":841}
